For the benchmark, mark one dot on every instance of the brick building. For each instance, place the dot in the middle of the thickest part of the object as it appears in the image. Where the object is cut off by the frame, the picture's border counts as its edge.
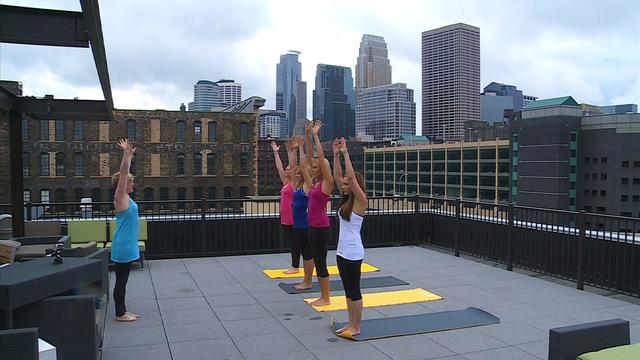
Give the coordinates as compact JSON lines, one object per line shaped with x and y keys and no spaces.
{"x":180,"y":155}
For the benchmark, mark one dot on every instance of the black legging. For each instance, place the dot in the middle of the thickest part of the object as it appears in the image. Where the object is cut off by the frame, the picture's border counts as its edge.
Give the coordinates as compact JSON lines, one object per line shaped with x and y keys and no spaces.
{"x":350,"y":275}
{"x":120,"y":289}
{"x":319,"y":245}
{"x":287,"y":234}
{"x":302,"y":238}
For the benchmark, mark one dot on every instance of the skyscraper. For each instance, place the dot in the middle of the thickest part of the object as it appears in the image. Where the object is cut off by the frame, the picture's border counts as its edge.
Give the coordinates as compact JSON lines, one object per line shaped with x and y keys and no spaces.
{"x":385,"y":112}
{"x":206,"y":95}
{"x":230,"y":92}
{"x":334,"y":101}
{"x":372,"y":68}
{"x":450,"y":80}
{"x":291,"y":91}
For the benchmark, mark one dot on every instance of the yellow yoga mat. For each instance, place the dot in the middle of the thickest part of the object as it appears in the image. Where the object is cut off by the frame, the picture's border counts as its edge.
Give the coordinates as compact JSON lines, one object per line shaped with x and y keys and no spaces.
{"x":333,"y":270}
{"x":380,"y":299}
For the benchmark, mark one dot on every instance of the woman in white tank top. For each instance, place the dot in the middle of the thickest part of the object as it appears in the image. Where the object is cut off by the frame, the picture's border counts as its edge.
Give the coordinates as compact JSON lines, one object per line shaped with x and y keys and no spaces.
{"x":350,"y":250}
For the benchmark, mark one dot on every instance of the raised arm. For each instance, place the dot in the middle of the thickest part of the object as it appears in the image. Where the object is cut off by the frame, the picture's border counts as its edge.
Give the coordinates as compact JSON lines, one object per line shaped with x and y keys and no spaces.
{"x":337,"y":167}
{"x":291,"y":154}
{"x":121,"y":200}
{"x":276,"y":155}
{"x":358,"y":192}
{"x":327,"y":177}
{"x":309,"y":140}
{"x":308,"y":181}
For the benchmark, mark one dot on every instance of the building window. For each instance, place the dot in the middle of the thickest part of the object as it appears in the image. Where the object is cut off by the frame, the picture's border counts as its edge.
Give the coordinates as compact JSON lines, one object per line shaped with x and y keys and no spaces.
{"x":636,"y":181}
{"x":625,"y":181}
{"x":60,"y":170}
{"x":78,"y":132}
{"x":78,"y":194}
{"x":197,"y":193}
{"x":587,"y":208}
{"x":603,"y":193}
{"x":586,"y":160}
{"x":180,"y":164}
{"x":573,"y":169}
{"x":601,"y":209}
{"x":132,"y":166}
{"x":26,"y":169}
{"x":603,"y":176}
{"x":572,"y":185}
{"x":211,"y":192}
{"x":244,"y":164}
{"x":212,"y":129}
{"x":625,"y":164}
{"x":44,"y":196}
{"x":148,"y":194}
{"x":60,"y":195}
{"x":594,"y":176}
{"x":96,"y":195}
{"x":574,"y":137}
{"x":197,"y":131}
{"x":574,"y":153}
{"x":572,"y":202}
{"x":197,"y":164}
{"x":624,"y":198}
{"x":228,"y":192}
{"x":586,"y":176}
{"x":603,"y":159}
{"x":586,"y":192}
{"x":594,"y":192}
{"x":635,"y":198}
{"x":78,"y":164}
{"x":25,"y":129}
{"x":244,"y":132}
{"x":59,"y":130}
{"x":244,"y":191}
{"x":595,"y":160}
{"x":164,"y":194}
{"x":44,"y":164}
{"x":181,"y":129}
{"x":181,"y":193}
{"x":26,"y":196}
{"x":211,"y":164}
{"x":44,"y":130}
{"x":515,"y":183}
{"x":636,"y":164}
{"x":131,"y":129}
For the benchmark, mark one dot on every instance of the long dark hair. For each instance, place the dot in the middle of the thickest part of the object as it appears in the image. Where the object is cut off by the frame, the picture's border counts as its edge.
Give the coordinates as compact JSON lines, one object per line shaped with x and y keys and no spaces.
{"x":347,"y":200}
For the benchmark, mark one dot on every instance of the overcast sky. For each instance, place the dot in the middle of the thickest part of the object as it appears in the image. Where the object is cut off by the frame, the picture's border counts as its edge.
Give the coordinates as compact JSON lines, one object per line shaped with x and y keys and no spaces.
{"x":157,"y":50}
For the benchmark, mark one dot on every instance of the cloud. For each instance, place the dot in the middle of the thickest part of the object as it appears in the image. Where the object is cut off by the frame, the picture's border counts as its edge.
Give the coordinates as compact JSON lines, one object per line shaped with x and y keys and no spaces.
{"x":157,"y":50}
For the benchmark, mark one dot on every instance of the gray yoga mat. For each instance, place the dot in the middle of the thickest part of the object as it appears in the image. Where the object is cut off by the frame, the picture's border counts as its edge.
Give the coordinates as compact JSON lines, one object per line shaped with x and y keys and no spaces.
{"x":336,"y":285}
{"x":423,"y":323}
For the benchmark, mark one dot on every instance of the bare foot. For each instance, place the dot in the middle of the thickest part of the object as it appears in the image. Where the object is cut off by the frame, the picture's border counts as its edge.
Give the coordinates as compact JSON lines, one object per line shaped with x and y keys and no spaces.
{"x":354,"y":331}
{"x":126,"y":318}
{"x":350,"y":332}
{"x":321,"y":302}
{"x":303,"y":286}
{"x":134,"y":315}
{"x":342,"y":329}
{"x":292,"y":271}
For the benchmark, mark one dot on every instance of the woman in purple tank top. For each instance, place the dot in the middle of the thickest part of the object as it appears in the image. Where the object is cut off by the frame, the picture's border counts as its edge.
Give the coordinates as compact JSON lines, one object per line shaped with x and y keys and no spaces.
{"x":286,"y":197}
{"x":319,"y":223}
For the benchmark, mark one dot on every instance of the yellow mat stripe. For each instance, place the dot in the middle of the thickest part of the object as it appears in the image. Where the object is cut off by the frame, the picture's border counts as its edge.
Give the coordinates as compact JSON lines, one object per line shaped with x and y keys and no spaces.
{"x":333,"y":270}
{"x":380,"y":299}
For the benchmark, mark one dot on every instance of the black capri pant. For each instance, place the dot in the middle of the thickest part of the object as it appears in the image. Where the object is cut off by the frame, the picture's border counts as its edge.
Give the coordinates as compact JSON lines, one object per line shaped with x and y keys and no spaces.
{"x":302,"y":238}
{"x":287,"y":234}
{"x":350,"y":275}
{"x":319,"y":246}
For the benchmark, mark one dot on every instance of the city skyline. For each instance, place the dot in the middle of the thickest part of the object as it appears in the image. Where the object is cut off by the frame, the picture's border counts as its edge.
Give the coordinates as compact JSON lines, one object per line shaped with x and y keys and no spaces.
{"x":551,"y":50}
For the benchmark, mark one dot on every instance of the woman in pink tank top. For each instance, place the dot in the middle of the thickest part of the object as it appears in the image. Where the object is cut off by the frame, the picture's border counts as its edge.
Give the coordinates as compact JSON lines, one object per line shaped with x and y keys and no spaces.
{"x":286,"y":197}
{"x":319,"y":223}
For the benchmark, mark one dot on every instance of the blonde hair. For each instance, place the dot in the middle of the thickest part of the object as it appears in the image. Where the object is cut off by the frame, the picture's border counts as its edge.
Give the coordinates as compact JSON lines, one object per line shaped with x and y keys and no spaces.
{"x":116,"y":178}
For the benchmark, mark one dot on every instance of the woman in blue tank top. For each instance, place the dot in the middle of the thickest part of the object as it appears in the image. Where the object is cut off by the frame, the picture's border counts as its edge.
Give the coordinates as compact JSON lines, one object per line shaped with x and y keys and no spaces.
{"x":124,"y":249}
{"x":302,"y":186}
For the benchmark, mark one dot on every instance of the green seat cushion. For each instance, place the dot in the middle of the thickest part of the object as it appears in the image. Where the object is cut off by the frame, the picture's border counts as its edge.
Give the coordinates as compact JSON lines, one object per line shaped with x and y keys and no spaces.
{"x":84,"y":231}
{"x":625,"y":352}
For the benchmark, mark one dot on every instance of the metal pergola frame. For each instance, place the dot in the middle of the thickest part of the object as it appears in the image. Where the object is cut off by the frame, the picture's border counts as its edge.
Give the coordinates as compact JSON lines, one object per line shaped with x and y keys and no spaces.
{"x":32,"y":26}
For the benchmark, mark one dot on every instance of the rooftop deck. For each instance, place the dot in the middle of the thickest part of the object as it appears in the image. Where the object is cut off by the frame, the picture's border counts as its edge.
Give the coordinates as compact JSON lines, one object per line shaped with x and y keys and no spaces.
{"x":226,"y":308}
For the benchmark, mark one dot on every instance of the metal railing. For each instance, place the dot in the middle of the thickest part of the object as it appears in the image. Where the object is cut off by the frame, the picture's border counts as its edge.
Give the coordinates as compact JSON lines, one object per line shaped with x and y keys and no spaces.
{"x":594,"y":249}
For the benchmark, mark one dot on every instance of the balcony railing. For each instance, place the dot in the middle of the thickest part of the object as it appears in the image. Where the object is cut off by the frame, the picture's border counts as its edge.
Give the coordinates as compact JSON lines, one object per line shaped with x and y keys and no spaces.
{"x":594,"y":249}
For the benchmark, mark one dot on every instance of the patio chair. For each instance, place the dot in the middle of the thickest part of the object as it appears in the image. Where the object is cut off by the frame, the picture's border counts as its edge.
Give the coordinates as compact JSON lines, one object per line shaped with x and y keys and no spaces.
{"x":19,"y":344}
{"x":142,"y":241}
{"x":569,"y":342}
{"x":8,"y":250}
{"x":85,"y":231}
